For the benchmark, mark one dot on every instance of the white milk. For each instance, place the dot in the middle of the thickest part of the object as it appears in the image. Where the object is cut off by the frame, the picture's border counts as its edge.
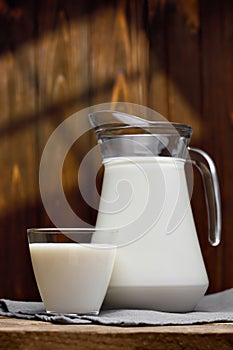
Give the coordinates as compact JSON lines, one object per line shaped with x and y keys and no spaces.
{"x":72,"y":278}
{"x":158,"y":263}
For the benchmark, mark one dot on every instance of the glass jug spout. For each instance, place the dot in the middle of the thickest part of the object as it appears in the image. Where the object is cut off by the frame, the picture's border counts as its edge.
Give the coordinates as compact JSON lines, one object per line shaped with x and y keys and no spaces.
{"x":124,"y":135}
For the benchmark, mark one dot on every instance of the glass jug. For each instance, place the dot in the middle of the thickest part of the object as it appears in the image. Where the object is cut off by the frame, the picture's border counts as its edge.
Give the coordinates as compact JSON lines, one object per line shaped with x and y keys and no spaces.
{"x":145,"y":197}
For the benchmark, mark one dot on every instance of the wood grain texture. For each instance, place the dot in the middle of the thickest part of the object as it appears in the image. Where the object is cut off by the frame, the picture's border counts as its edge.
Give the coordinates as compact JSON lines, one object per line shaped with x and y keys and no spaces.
{"x":37,"y":335}
{"x":19,"y":161}
{"x":158,"y":80}
{"x":119,"y":52}
{"x":217,"y":132}
{"x":225,"y":125}
{"x":63,"y":83}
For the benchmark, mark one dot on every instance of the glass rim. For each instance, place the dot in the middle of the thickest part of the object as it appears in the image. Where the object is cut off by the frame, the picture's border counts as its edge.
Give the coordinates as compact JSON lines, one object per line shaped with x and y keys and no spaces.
{"x":153,"y":128}
{"x":74,"y":235}
{"x":61,"y":230}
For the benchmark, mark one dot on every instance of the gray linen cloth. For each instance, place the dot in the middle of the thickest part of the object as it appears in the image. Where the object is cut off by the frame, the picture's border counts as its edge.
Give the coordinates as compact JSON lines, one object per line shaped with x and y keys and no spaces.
{"x":216,"y":307}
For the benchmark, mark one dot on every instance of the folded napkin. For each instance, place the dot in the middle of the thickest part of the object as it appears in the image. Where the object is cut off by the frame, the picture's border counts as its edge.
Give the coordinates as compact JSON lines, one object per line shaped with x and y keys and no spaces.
{"x":216,"y":307}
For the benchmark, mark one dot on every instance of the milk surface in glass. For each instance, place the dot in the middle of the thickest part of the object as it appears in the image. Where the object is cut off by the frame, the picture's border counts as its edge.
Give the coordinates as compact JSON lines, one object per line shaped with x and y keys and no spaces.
{"x":158,"y":263}
{"x":71,"y":277}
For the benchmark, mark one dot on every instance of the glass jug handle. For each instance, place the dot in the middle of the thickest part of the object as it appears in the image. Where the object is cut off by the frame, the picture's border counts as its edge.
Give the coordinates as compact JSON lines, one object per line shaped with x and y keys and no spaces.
{"x":212,"y":193}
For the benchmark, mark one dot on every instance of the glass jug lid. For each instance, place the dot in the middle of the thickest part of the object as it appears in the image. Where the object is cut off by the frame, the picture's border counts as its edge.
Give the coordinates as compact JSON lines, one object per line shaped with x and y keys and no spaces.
{"x":124,"y":135}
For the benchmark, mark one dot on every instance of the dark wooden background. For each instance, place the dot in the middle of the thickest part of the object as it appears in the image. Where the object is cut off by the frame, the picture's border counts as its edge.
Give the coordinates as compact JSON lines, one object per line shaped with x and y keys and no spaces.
{"x":58,"y":57}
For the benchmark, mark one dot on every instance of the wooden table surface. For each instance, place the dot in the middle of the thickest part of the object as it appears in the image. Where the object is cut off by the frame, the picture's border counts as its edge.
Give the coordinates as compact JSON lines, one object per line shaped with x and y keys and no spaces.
{"x":24,"y":334}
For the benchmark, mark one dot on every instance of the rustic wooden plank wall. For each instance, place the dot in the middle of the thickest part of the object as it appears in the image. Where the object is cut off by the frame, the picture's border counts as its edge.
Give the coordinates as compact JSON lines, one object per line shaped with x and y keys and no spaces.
{"x":175,"y":56}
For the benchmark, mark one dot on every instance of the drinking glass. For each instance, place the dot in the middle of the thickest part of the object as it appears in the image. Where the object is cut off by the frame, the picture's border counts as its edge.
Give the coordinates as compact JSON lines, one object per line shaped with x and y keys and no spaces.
{"x":72,"y":272}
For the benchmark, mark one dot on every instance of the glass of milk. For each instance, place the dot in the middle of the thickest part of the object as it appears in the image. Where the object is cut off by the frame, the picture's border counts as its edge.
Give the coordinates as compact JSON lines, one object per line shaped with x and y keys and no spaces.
{"x":72,"y":274}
